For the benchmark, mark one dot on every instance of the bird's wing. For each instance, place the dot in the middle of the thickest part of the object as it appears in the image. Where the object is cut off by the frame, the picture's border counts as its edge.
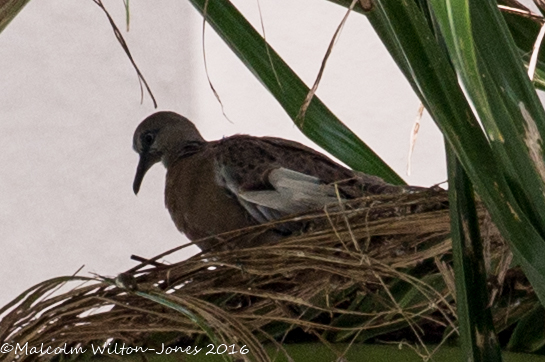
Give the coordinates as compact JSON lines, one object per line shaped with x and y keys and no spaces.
{"x":290,"y":192}
{"x":272,"y":177}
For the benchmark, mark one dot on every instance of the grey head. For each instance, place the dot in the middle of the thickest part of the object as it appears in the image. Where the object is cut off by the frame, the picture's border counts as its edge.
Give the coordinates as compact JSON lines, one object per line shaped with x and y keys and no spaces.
{"x":163,"y":136}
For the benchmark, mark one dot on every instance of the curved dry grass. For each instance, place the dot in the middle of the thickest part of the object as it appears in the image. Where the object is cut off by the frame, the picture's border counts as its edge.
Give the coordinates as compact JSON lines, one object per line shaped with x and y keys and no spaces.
{"x":371,"y":268}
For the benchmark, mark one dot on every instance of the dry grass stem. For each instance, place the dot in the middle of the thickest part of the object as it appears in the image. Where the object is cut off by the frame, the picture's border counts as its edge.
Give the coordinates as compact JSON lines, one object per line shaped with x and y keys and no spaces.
{"x":376,"y":268}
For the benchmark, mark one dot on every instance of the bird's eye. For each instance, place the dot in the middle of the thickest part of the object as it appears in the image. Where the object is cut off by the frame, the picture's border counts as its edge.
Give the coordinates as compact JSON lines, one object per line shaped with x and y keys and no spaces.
{"x":148,"y":139}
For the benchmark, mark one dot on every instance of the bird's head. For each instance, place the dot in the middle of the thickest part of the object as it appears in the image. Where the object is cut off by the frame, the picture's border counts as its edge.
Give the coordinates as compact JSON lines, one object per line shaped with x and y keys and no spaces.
{"x":160,"y":137}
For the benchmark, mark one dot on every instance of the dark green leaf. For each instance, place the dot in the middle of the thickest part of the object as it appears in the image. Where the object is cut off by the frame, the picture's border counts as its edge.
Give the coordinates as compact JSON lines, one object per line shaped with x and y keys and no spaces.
{"x":479,"y":340}
{"x":319,"y":124}
{"x":8,"y":10}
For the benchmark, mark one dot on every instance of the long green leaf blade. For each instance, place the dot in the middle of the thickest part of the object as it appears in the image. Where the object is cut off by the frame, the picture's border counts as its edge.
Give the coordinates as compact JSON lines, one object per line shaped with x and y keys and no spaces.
{"x":504,"y":98}
{"x":9,"y":10}
{"x":437,"y":84}
{"x":478,"y":337}
{"x":319,"y":124}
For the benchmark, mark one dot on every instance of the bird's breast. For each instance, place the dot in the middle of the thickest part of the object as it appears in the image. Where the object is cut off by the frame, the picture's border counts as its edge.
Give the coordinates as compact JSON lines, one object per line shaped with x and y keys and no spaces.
{"x":198,"y":205}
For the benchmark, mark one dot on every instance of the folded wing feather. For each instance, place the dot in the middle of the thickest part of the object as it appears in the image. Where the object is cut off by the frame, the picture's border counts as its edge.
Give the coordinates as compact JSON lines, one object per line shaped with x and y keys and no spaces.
{"x":292,"y":192}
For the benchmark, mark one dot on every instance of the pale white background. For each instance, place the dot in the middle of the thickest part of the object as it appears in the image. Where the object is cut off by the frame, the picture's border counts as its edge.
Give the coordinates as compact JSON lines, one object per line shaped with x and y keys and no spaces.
{"x":70,"y":101}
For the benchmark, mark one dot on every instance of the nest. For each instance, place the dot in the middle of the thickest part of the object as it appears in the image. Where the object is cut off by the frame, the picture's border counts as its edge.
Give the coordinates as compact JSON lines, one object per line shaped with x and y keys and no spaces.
{"x":373,"y":269}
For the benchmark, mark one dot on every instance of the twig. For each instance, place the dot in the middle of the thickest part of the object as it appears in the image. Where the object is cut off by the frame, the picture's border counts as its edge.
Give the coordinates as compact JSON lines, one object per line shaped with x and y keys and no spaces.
{"x":125,"y":47}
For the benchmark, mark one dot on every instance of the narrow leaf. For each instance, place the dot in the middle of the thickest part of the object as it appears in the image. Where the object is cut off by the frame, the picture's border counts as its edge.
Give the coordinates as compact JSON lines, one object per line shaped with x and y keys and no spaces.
{"x":319,"y":123}
{"x":478,"y":337}
{"x":8,"y":10}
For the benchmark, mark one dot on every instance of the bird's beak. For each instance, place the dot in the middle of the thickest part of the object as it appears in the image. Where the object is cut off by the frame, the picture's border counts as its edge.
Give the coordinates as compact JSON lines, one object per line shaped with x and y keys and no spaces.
{"x":144,"y":165}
